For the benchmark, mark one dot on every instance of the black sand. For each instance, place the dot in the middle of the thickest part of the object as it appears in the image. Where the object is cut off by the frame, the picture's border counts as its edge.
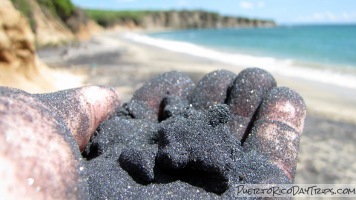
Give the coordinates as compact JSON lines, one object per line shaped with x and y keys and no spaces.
{"x":161,"y":146}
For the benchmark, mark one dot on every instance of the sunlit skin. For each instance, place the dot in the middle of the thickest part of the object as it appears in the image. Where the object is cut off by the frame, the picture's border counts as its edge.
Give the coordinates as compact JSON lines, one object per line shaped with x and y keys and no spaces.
{"x":43,"y":135}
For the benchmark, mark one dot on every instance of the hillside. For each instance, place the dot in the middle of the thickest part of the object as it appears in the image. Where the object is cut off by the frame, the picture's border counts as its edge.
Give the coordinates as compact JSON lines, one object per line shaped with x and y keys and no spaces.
{"x":183,"y":19}
{"x":19,"y":65}
{"x":55,"y":21}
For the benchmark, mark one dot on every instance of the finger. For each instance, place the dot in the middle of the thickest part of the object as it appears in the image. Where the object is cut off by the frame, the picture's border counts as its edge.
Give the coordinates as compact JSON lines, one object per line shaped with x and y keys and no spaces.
{"x":278,"y":127}
{"x":248,"y":90}
{"x":146,"y":101}
{"x":212,"y":89}
{"x":246,"y":94}
{"x":38,"y":155}
{"x":82,"y":109}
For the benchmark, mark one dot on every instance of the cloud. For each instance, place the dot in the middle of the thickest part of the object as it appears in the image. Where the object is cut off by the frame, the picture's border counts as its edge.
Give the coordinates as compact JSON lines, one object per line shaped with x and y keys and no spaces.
{"x":246,"y":5}
{"x":252,"y":5}
{"x":328,"y":16}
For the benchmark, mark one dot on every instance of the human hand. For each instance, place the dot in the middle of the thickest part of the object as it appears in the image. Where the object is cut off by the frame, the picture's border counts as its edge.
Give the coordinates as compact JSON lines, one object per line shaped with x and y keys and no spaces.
{"x":40,"y":138}
{"x":179,"y":140}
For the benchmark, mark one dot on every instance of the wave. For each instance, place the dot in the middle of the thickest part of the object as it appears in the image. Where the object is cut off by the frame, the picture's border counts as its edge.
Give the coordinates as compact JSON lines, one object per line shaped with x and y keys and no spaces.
{"x":285,"y":67}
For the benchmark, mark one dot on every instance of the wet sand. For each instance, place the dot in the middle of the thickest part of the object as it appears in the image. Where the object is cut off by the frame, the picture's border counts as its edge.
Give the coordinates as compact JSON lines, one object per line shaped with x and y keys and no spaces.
{"x":327,"y":148}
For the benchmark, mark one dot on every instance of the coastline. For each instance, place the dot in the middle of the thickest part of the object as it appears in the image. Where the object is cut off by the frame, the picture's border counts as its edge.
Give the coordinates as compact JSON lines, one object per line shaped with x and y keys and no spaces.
{"x":326,"y":149}
{"x":320,"y":72}
{"x":115,"y":52}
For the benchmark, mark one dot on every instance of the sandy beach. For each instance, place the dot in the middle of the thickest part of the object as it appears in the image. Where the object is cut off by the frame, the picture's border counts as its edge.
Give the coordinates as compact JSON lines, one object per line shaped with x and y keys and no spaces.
{"x":327,"y":148}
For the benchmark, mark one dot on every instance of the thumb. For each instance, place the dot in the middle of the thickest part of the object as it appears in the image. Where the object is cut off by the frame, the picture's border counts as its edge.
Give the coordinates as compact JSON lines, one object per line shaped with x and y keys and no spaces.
{"x":82,"y":109}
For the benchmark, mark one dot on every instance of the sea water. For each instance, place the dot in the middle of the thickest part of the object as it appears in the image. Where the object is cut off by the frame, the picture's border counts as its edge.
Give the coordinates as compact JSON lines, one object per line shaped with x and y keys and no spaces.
{"x":325,"y":53}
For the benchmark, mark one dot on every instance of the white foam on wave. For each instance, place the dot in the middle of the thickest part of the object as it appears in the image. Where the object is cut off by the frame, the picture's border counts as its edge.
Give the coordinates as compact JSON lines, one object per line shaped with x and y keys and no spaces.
{"x":277,"y":66}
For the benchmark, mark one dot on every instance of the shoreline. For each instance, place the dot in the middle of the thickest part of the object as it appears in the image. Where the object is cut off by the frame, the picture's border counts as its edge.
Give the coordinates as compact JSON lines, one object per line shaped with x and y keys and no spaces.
{"x":327,"y":73}
{"x":327,"y":146}
{"x":116,"y":53}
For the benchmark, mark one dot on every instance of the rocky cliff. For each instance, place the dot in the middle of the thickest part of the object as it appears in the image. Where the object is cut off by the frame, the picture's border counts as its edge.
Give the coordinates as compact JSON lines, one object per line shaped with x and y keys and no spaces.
{"x":198,"y":19}
{"x":174,"y":19}
{"x":19,"y":65}
{"x":55,"y":23}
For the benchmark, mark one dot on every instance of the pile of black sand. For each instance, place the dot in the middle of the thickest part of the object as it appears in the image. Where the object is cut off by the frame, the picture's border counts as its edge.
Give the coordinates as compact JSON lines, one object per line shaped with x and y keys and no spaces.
{"x":179,"y":140}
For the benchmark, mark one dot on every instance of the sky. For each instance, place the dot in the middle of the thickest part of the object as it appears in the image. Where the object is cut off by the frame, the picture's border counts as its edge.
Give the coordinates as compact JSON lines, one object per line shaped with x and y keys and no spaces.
{"x":282,"y":11}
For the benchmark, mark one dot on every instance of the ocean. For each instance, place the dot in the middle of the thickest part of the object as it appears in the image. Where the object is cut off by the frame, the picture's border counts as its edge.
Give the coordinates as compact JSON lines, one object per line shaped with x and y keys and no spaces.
{"x":324,"y":53}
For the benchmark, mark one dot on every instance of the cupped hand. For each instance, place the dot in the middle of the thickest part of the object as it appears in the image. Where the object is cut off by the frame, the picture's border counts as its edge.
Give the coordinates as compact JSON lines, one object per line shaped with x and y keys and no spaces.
{"x":227,"y":130}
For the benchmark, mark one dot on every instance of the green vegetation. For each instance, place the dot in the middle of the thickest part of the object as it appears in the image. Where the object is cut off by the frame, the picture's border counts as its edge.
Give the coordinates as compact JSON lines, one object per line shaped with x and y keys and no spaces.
{"x":25,"y":9}
{"x":23,"y":6}
{"x":62,"y":9}
{"x":108,"y":18}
